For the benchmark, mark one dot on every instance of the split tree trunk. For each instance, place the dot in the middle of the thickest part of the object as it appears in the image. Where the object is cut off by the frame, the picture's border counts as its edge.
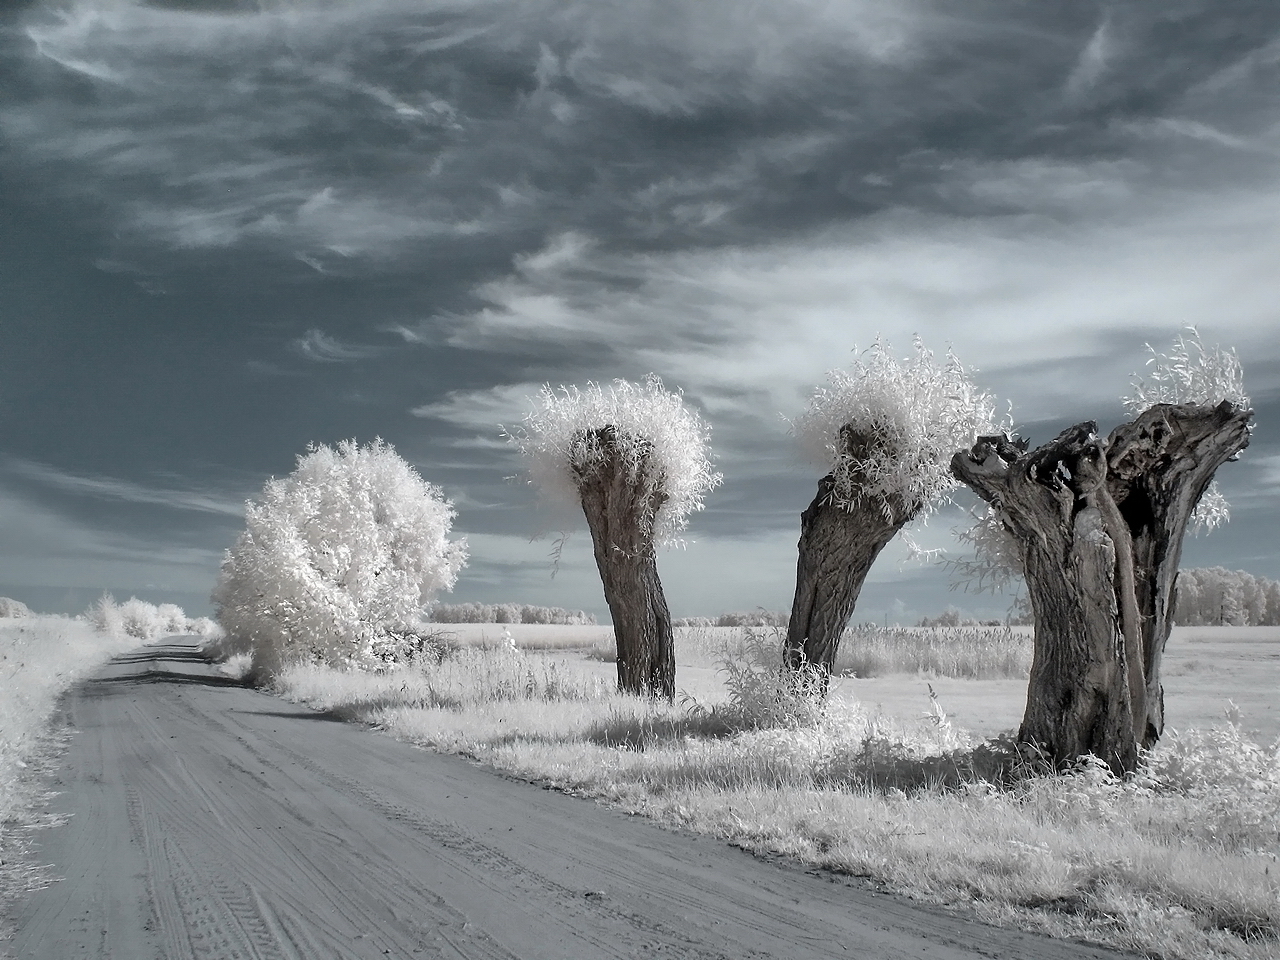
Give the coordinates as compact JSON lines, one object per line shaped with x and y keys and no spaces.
{"x":1056,"y":503}
{"x":837,"y":547}
{"x":1100,"y":526}
{"x":621,"y":516}
{"x":1159,"y":465}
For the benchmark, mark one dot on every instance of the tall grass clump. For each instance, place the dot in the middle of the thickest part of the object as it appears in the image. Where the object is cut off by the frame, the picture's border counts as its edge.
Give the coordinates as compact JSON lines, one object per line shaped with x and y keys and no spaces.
{"x":465,"y":677}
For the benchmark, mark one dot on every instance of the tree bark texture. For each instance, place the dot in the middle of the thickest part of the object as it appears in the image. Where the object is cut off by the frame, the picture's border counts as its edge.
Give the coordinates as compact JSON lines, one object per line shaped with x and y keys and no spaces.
{"x":1100,"y":526}
{"x":1055,"y":502}
{"x":1159,"y":465}
{"x":837,"y":547}
{"x":620,"y":515}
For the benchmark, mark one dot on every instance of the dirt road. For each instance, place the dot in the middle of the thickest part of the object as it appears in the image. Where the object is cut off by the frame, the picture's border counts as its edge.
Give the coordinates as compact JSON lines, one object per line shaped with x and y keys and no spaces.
{"x":210,"y":821}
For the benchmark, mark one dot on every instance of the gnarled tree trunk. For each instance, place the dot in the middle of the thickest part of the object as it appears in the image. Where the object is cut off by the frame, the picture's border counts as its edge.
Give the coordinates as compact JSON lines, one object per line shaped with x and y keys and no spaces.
{"x":1055,"y":502}
{"x":1159,"y":465}
{"x":621,"y":516}
{"x":1100,"y":526}
{"x":837,"y":547}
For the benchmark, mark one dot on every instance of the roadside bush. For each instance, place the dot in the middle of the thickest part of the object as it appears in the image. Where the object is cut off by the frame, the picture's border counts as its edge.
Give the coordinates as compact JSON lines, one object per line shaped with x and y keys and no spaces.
{"x":145,"y":621}
{"x":337,"y":561}
{"x":13,"y":608}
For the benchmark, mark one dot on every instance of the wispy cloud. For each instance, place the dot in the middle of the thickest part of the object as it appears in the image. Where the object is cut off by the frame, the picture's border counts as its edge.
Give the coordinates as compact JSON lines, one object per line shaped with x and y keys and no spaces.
{"x":110,"y":488}
{"x":321,"y":347}
{"x":761,"y":324}
{"x":482,"y":410}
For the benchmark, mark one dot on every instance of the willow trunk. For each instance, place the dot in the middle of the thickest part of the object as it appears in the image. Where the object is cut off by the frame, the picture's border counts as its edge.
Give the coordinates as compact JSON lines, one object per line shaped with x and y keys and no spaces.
{"x":839,"y":541}
{"x":620,"y":497}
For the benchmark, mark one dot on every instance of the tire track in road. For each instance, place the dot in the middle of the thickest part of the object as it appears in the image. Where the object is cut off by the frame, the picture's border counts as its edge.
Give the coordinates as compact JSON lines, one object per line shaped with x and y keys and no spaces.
{"x":208,"y":821}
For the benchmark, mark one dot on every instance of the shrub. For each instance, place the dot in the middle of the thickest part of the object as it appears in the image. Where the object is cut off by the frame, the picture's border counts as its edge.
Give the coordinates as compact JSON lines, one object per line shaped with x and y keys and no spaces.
{"x":144,"y":621}
{"x":337,"y":560}
{"x":13,"y":608}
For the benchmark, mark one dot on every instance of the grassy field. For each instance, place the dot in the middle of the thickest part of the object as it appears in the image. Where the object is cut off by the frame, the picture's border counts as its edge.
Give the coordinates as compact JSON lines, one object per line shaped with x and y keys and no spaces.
{"x":887,"y":782}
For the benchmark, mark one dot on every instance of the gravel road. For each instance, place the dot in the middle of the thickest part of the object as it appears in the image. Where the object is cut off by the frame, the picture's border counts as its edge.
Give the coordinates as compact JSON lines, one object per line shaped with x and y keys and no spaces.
{"x":210,"y":821}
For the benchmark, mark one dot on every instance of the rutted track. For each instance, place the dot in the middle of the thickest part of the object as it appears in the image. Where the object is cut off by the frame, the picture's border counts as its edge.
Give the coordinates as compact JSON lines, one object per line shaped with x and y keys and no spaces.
{"x":211,"y":821}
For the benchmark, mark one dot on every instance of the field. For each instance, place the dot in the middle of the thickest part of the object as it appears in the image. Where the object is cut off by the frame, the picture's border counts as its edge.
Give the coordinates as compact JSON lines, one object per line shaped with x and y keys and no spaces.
{"x":1206,"y":669}
{"x":887,"y":782}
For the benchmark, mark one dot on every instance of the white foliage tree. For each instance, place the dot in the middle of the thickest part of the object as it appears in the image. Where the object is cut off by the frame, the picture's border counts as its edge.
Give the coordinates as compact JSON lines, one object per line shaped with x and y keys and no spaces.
{"x":885,"y":430}
{"x":637,"y":460}
{"x":337,"y":560}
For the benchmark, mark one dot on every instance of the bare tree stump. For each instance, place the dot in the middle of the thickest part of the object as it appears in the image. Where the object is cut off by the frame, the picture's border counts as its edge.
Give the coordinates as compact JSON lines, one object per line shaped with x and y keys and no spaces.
{"x":620,"y":515}
{"x":1159,"y":465}
{"x":838,"y":544}
{"x":1055,"y":502}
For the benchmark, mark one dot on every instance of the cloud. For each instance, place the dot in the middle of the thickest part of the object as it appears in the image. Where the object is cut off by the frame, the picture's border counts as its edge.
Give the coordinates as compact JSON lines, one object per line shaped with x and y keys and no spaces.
{"x":482,"y":410}
{"x":1093,"y":60}
{"x":110,"y":488}
{"x":1058,"y":312}
{"x":321,"y":347}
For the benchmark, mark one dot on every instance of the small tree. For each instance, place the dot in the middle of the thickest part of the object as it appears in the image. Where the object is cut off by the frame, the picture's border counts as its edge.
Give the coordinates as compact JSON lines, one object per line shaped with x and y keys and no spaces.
{"x":337,"y":559}
{"x":1099,"y":525}
{"x":636,"y":459}
{"x":885,"y":429}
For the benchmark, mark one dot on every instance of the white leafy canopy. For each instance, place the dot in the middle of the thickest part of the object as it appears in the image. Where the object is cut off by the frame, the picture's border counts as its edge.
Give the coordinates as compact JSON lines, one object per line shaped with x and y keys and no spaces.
{"x":908,"y":416}
{"x":664,"y":444}
{"x":347,"y":548}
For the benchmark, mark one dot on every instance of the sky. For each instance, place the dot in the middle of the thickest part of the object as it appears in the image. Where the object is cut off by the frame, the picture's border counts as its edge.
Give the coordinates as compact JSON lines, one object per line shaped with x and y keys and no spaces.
{"x":231,"y":228}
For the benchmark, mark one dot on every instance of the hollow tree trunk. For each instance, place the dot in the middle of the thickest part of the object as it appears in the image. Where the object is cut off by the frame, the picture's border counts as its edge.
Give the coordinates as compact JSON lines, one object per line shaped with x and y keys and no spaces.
{"x":837,"y":547}
{"x":1159,"y":465}
{"x":620,"y":516}
{"x":1055,"y":502}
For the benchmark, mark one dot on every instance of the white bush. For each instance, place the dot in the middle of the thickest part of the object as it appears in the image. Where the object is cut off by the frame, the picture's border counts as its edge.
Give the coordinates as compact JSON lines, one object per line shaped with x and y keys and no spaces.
{"x":13,"y":608}
{"x":337,"y":558}
{"x":650,"y":421}
{"x":144,"y":621}
{"x":915,"y":413}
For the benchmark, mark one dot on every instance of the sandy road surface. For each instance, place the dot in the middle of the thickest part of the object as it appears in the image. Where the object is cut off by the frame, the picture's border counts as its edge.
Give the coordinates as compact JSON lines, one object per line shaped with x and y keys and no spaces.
{"x":210,"y":821}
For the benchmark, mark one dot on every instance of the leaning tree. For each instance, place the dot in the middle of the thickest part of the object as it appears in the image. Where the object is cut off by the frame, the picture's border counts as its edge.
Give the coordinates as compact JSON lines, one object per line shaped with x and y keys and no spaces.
{"x":637,"y":460}
{"x":885,"y":429}
{"x":1098,"y":525}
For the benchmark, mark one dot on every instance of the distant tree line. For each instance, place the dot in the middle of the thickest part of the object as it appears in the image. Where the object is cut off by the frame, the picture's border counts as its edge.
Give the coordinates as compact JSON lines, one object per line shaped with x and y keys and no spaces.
{"x":508,"y":613}
{"x":1215,"y":595}
{"x":753,"y":618}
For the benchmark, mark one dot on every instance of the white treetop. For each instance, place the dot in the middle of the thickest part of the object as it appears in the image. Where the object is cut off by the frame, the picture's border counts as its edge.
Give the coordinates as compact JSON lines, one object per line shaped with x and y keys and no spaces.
{"x":913,"y":413}
{"x":1192,"y":373}
{"x":649,"y":422}
{"x":349,"y":546}
{"x":1189,"y":373}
